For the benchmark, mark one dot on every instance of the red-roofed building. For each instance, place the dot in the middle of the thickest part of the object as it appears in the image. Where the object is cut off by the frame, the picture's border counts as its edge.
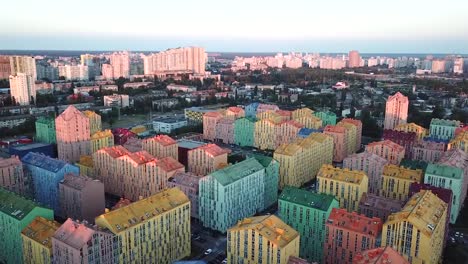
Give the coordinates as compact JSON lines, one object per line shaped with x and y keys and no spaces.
{"x":402,"y":138}
{"x":206,"y":159}
{"x":161,"y":146}
{"x":234,"y":112}
{"x":210,"y":120}
{"x":348,"y":234}
{"x":339,"y":135}
{"x":121,"y":135}
{"x":382,"y":255}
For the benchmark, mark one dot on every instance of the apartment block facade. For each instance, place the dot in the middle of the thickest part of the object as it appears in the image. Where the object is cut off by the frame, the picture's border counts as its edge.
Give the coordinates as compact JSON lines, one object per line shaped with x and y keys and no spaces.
{"x":205,"y":159}
{"x":443,"y":129}
{"x":420,"y":131}
{"x":388,"y":150}
{"x":396,"y":110}
{"x":404,"y":139}
{"x":101,"y":139}
{"x":12,"y":176}
{"x":244,"y":129}
{"x":161,"y":146}
{"x":45,"y":130}
{"x":369,"y":163}
{"x":73,"y":134}
{"x":396,"y":181}
{"x":37,"y":240}
{"x":372,"y":205}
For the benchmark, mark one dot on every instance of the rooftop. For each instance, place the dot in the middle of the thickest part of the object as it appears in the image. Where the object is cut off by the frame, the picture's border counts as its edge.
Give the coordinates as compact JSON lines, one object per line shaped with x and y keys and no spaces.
{"x":445,"y":122}
{"x":170,"y":120}
{"x":413,"y":126}
{"x":235,"y":172}
{"x":305,"y":198}
{"x":414,"y":164}
{"x":8,"y":162}
{"x":46,"y":120}
{"x":74,"y":234}
{"x":162,"y":139}
{"x":270,"y":227}
{"x":138,"y":212}
{"x":35,"y":145}
{"x":343,"y":175}
{"x":213,"y":149}
{"x":382,"y":255}
{"x":189,"y":144}
{"x":169,"y":164}
{"x":41,"y":230}
{"x":424,"y":210}
{"x":77,"y":182}
{"x":44,"y":162}
{"x":388,"y":143}
{"x":86,"y":161}
{"x":102,"y":134}
{"x":235,"y":109}
{"x":70,"y":113}
{"x":402,"y":172}
{"x":381,"y":202}
{"x":14,"y":205}
{"x":334,"y":129}
{"x":444,"y":171}
{"x":115,"y":151}
{"x":187,"y":179}
{"x":355,"y":222}
{"x":90,"y":114}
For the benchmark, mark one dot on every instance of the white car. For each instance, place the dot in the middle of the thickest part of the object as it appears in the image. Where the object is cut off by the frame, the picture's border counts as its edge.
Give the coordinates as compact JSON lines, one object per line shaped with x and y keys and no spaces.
{"x":208,"y":251}
{"x":224,"y":261}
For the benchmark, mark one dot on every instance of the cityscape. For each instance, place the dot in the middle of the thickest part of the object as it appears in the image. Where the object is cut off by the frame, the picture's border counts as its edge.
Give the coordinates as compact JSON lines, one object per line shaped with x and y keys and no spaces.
{"x":294,"y":150}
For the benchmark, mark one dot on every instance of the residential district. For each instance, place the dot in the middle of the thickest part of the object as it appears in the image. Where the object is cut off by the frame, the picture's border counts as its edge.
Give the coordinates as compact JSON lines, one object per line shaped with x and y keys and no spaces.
{"x":183,"y":156}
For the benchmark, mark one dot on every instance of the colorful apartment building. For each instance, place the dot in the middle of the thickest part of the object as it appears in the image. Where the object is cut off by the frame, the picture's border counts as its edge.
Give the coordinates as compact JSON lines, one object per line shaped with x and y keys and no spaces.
{"x":451,"y":178}
{"x":189,"y":184}
{"x":79,"y":242}
{"x":152,"y":230}
{"x":101,"y":139}
{"x":420,"y":131}
{"x":184,"y":146}
{"x":210,"y":120}
{"x":372,"y":205}
{"x":251,"y":110}
{"x":86,"y":166}
{"x":194,"y":115}
{"x":428,"y":150}
{"x":234,"y":112}
{"x":351,"y":137}
{"x":266,"y":107}
{"x":16,"y":212}
{"x":348,"y":234}
{"x":300,"y":160}
{"x":73,"y":134}
{"x":244,"y":129}
{"x":307,"y":213}
{"x":37,"y":241}
{"x":261,"y":239}
{"x":265,"y":134}
{"x":396,"y":181}
{"x":388,"y":150}
{"x":134,"y":144}
{"x":404,"y":139}
{"x":340,"y":145}
{"x":161,"y":146}
{"x":369,"y":163}
{"x":460,"y":141}
{"x":443,"y":129}
{"x":287,"y":131}
{"x":358,"y":124}
{"x":309,"y":121}
{"x":45,"y":130}
{"x":46,"y":173}
{"x":12,"y":176}
{"x":205,"y":159}
{"x":445,"y":195}
{"x":346,"y":185}
{"x":381,"y":255}
{"x":301,"y":112}
{"x":271,"y":179}
{"x":327,"y":117}
{"x":396,"y":110}
{"x":95,"y":123}
{"x":225,"y":130}
{"x":81,"y":197}
{"x":417,"y":231}
{"x":235,"y":192}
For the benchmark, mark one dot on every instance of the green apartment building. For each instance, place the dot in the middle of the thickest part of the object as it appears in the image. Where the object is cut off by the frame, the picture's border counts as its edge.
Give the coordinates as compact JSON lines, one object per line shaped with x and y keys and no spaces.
{"x":307,"y":212}
{"x":451,"y":178}
{"x":443,"y":129}
{"x":45,"y":130}
{"x":16,"y":213}
{"x":235,"y":192}
{"x":328,"y":118}
{"x":244,"y":129}
{"x":271,"y":179}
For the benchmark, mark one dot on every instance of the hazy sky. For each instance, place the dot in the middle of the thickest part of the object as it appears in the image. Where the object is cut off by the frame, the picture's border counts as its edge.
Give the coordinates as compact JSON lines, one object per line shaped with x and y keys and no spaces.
{"x":427,"y":26}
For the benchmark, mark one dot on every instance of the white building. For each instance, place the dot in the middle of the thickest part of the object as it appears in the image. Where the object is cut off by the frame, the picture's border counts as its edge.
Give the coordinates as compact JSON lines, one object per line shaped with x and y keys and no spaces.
{"x":117,"y":100}
{"x":167,"y":125}
{"x":74,"y":72}
{"x":181,"y":88}
{"x":120,"y":62}
{"x":22,"y":88}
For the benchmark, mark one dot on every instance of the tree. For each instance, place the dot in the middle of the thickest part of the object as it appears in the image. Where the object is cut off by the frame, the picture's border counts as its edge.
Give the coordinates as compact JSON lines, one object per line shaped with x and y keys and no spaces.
{"x":438,"y":112}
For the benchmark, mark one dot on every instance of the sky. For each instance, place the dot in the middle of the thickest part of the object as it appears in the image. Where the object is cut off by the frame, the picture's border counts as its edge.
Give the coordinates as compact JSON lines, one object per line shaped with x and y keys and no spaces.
{"x":370,"y":26}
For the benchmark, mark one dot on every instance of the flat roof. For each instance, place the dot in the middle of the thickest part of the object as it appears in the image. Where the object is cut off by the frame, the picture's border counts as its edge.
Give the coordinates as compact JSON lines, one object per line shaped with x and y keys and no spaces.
{"x":306,"y":198}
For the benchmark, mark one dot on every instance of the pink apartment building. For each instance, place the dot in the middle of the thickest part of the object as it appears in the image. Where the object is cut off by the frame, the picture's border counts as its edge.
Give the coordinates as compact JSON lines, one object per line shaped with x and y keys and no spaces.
{"x":206,"y":159}
{"x":225,"y":130}
{"x":120,"y":62}
{"x":133,"y":144}
{"x":284,"y":115}
{"x":428,"y":151}
{"x":72,"y":129}
{"x":81,"y":197}
{"x":381,"y":255}
{"x":266,"y":107}
{"x":78,"y":242}
{"x":354,"y":59}
{"x":396,"y":111}
{"x":188,"y":183}
{"x":388,"y":150}
{"x":371,"y":164}
{"x":133,"y":175}
{"x":11,"y":174}
{"x":210,"y":120}
{"x":339,"y":135}
{"x":286,"y":132}
{"x":348,"y":234}
{"x":161,"y":146}
{"x":186,"y":60}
